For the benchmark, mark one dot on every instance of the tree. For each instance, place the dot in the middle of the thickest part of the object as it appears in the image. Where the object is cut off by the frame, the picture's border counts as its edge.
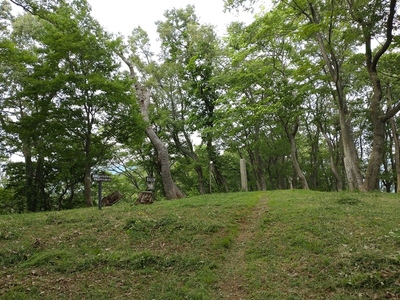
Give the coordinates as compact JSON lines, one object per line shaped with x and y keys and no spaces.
{"x":192,"y":50}
{"x":390,"y":79}
{"x":139,"y":41}
{"x":75,"y":93}
{"x":376,"y":21}
{"x":23,"y":115}
{"x":321,"y":20}
{"x":265,"y":86}
{"x":338,"y":28}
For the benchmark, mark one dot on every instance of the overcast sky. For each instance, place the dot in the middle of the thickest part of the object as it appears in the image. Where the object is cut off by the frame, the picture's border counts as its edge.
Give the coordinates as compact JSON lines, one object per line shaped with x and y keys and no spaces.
{"x":121,"y":16}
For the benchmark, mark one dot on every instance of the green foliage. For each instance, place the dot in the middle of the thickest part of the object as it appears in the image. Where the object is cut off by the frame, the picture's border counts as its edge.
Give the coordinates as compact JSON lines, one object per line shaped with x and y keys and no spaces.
{"x":235,"y":4}
{"x":73,"y":103}
{"x":265,"y":92}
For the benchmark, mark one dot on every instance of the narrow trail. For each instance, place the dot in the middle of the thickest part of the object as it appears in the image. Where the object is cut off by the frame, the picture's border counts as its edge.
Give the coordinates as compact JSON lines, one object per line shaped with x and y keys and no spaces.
{"x":233,"y":284}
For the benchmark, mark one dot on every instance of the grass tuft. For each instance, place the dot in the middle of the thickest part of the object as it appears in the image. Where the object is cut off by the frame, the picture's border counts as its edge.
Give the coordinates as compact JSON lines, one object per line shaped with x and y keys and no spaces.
{"x":348,"y":200}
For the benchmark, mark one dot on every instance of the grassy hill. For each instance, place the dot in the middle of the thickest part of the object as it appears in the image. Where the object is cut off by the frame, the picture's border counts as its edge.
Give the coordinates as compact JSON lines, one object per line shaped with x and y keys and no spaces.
{"x":261,"y":245}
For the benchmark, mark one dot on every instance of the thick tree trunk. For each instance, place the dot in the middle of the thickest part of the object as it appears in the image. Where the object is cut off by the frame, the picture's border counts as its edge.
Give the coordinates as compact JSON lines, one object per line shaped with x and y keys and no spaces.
{"x":171,"y":191}
{"x":351,"y":165}
{"x":396,"y":153}
{"x":378,"y":116}
{"x":373,"y":172}
{"x":379,"y":119}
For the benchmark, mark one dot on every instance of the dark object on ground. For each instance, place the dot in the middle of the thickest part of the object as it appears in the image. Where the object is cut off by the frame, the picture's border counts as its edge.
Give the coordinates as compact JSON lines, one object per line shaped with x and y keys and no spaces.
{"x":146,"y":197}
{"x":111,"y":199}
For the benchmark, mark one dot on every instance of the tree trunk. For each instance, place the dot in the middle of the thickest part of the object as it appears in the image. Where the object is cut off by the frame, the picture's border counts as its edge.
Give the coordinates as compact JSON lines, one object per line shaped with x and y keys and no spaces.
{"x":255,"y":157}
{"x":296,"y":166}
{"x":396,"y":153}
{"x":189,"y":152}
{"x":372,"y":174}
{"x":31,"y":199}
{"x":379,"y":119}
{"x":314,"y":159}
{"x":260,"y":175}
{"x":396,"y":141}
{"x":171,"y":191}
{"x":87,"y":185}
{"x":258,"y":169}
{"x":87,"y":182}
{"x":200,"y":179}
{"x":293,"y":149}
{"x":378,"y":116}
{"x":254,"y":168}
{"x":339,"y":182}
{"x":213,"y":157}
{"x":40,"y":184}
{"x":333,"y":66}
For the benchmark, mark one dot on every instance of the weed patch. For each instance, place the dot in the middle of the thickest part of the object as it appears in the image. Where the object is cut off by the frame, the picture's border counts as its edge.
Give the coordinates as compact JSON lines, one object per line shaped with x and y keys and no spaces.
{"x":55,"y":260}
{"x":15,"y":256}
{"x":348,"y":200}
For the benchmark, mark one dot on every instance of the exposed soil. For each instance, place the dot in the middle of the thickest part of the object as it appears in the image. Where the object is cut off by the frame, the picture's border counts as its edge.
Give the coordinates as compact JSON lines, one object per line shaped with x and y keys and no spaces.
{"x":234,"y":283}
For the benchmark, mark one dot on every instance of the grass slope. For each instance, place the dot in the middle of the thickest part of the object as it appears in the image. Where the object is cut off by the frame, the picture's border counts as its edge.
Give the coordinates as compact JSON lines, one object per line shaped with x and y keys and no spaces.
{"x":261,"y":245}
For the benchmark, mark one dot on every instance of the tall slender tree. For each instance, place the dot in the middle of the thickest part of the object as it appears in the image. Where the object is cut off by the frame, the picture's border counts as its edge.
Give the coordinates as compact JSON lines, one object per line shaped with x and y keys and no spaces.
{"x":130,"y":54}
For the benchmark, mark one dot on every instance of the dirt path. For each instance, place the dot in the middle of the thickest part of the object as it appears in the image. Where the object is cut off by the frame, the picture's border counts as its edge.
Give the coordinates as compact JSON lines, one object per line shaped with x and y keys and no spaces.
{"x":233,"y":284}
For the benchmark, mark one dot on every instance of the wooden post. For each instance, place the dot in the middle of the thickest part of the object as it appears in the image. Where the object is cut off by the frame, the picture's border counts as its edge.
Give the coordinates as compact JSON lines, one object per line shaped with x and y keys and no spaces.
{"x":100,"y":178}
{"x":211,"y":165}
{"x":99,"y":204}
{"x":243,"y":174}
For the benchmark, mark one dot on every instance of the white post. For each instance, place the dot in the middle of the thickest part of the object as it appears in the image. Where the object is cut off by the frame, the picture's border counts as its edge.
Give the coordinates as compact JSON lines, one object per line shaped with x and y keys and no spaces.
{"x":210,"y":174}
{"x":243,"y":174}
